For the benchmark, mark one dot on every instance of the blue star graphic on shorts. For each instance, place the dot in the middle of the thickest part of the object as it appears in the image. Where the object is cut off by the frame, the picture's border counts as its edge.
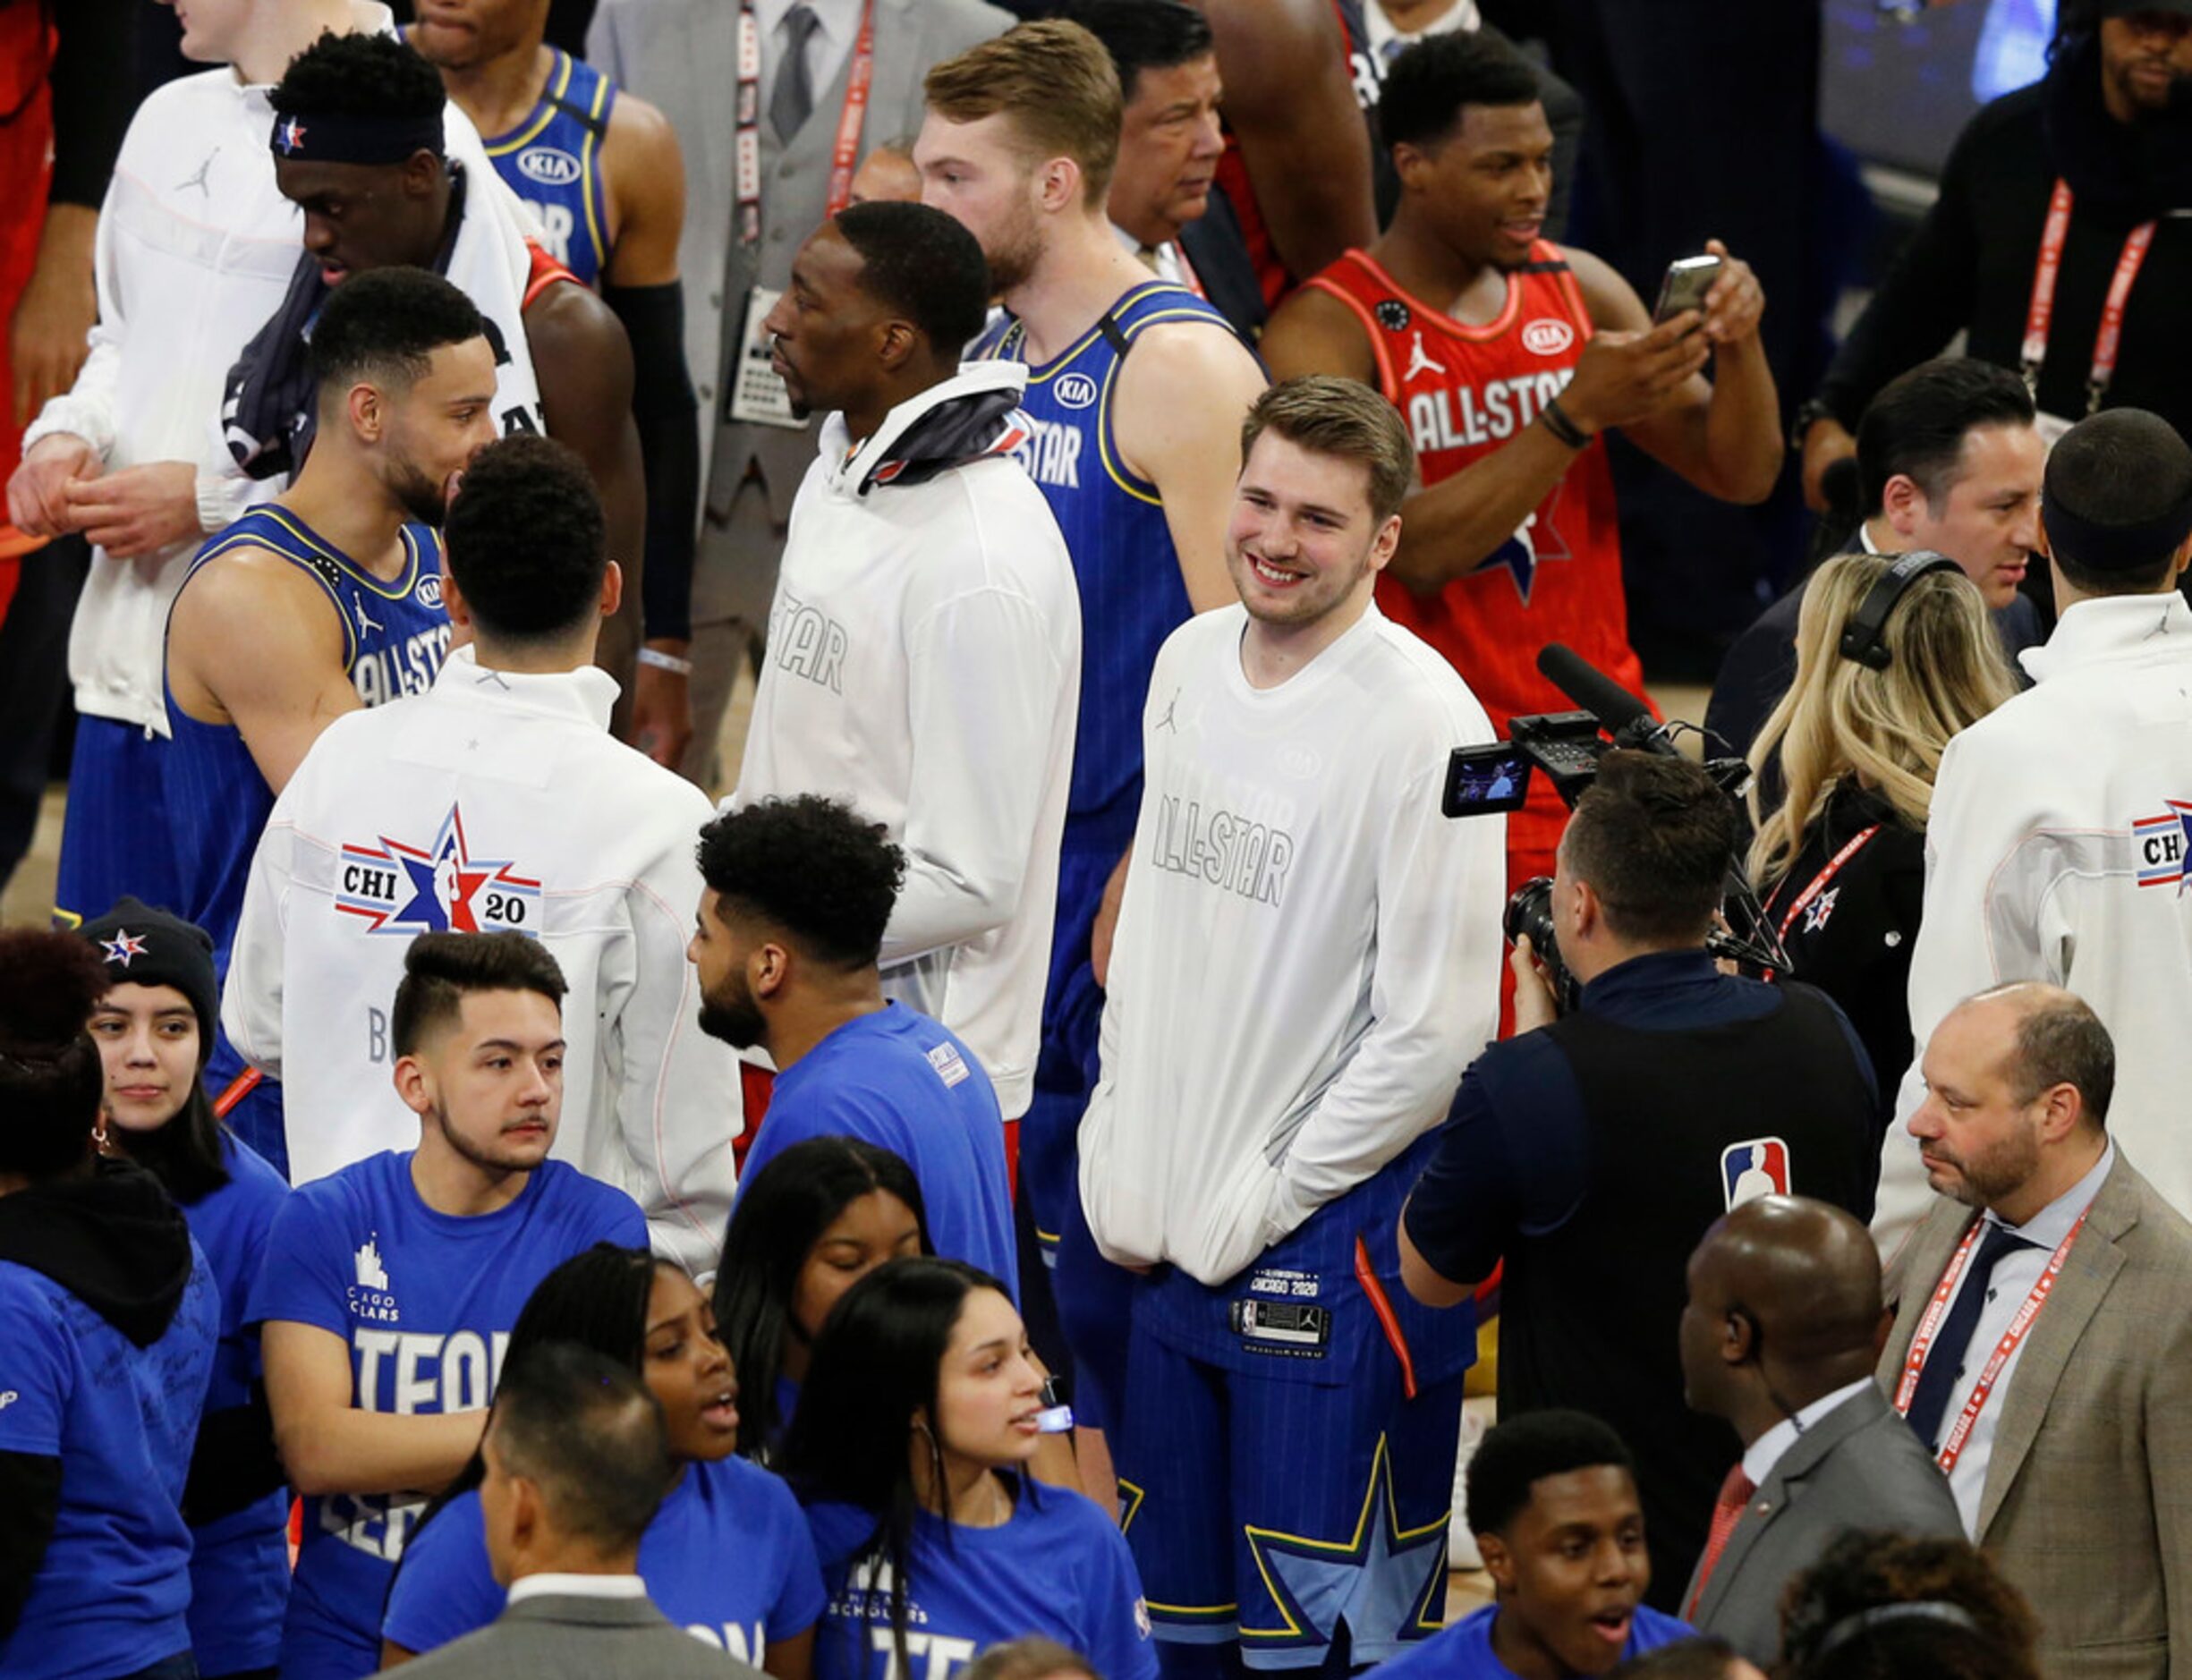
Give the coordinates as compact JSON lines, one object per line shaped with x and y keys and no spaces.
{"x":1382,"y":1582}
{"x":1536,"y":540}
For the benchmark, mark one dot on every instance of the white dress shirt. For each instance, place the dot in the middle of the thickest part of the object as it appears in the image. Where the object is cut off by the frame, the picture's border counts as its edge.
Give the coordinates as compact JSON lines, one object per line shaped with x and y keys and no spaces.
{"x":1766,"y":1451}
{"x":554,"y":1586}
{"x":2015,"y":1274}
{"x":1386,"y":42}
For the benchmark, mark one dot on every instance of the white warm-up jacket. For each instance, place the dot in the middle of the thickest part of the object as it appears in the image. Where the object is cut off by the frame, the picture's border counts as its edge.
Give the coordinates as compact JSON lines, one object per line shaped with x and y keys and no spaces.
{"x":924,"y":661}
{"x":2056,"y":851}
{"x":495,"y":801}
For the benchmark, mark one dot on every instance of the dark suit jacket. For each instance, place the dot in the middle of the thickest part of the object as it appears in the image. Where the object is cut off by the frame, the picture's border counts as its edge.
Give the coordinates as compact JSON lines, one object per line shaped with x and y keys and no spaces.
{"x":2087,"y":1505}
{"x":555,"y":1637}
{"x":1857,"y":1467}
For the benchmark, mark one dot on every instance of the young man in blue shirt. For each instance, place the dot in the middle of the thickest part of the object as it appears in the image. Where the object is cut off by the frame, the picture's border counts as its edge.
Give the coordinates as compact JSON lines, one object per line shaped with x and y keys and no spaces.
{"x":791,"y":921}
{"x":391,"y":1287}
{"x":1553,"y":1502}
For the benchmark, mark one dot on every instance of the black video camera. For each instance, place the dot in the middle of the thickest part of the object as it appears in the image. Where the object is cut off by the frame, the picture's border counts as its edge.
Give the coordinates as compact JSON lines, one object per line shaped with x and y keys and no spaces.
{"x":1566,"y":747}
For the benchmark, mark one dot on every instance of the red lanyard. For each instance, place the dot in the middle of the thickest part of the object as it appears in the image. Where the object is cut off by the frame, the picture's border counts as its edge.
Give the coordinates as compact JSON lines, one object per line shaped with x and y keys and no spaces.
{"x":2040,"y":317}
{"x":1921,"y":1343}
{"x":1820,"y":880}
{"x":748,"y":154}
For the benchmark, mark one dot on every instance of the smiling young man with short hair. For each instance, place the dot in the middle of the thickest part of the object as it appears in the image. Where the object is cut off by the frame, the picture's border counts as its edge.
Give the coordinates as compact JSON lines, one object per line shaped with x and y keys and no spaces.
{"x":1307,"y":958}
{"x":390,"y":1289}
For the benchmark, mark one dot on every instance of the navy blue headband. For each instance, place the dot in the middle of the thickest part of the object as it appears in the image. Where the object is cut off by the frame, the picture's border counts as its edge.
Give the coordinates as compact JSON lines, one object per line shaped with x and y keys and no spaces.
{"x":305,"y":137}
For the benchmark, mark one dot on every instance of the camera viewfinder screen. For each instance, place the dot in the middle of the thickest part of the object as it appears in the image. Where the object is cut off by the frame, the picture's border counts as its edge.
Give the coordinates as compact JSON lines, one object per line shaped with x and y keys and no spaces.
{"x":1481,"y":781}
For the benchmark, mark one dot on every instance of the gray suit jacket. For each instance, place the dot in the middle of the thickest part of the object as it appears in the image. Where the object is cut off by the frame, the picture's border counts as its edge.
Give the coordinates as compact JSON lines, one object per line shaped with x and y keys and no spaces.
{"x":2088,"y":1506}
{"x":571,"y":1638}
{"x":1857,"y":1467}
{"x":682,"y":55}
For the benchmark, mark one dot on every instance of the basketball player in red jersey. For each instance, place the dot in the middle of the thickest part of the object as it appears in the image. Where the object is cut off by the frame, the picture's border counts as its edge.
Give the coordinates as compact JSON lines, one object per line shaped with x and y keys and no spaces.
{"x":1508,"y":356}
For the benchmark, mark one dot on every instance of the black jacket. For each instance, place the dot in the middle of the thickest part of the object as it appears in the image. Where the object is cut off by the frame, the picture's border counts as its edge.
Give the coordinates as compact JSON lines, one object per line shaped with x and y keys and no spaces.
{"x":1970,"y":264}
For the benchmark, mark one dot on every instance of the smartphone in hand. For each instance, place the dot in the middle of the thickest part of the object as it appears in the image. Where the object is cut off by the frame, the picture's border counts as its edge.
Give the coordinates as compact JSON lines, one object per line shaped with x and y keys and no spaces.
{"x":1688,"y":279}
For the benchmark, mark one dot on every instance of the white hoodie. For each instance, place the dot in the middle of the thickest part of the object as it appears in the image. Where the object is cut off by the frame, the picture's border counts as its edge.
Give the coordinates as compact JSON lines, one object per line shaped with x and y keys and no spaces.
{"x":495,"y":800}
{"x":2062,"y":825}
{"x":924,"y":665}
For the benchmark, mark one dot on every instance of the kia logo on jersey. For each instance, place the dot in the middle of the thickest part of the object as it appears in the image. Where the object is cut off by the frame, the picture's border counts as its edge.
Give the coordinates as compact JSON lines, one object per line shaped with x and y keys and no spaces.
{"x":428,"y":592}
{"x":1075,"y":390}
{"x":1546,"y":336}
{"x":548,"y":165}
{"x":1757,"y":1167}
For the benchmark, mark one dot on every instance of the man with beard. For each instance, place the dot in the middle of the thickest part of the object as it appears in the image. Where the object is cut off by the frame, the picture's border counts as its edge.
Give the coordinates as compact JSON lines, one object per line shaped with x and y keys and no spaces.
{"x":2040,"y":1340}
{"x":1307,"y":959}
{"x":325,"y":600}
{"x":390,"y":1289}
{"x":383,"y":830}
{"x":1135,"y":393}
{"x":1508,"y":356}
{"x":2057,"y":245}
{"x":798,"y":893}
{"x":925,"y":642}
{"x":363,"y":146}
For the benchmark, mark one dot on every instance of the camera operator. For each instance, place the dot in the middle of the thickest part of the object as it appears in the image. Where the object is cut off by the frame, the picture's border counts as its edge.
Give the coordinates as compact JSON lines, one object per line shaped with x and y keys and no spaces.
{"x":1593,"y":1148}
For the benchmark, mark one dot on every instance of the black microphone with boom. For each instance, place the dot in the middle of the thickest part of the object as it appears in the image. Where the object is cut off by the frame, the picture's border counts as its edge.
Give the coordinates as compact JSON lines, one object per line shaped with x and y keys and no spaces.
{"x":1619,"y":713}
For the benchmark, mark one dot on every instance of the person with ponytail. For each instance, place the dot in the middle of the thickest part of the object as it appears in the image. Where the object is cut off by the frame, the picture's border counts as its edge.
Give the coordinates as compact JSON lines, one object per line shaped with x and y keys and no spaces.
{"x":108,"y":1320}
{"x":154,"y":1027}
{"x":922,"y":1409}
{"x":806,"y":1227}
{"x":727,"y":1557}
{"x":1840,"y":863}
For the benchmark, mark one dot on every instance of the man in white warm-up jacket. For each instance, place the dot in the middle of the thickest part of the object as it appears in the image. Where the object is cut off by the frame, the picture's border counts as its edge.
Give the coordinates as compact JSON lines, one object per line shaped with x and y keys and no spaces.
{"x":499,"y":801}
{"x":2061,"y":826}
{"x":924,"y":646}
{"x":1308,"y":956}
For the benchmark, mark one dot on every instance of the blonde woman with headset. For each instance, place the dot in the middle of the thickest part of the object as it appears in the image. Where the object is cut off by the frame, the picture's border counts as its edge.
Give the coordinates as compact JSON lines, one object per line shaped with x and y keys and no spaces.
{"x":1895,"y":654}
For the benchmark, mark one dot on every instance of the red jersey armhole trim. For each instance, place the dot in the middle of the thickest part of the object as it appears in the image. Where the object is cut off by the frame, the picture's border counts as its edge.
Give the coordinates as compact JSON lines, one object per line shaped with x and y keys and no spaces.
{"x":1494,"y":328}
{"x":545,"y":272}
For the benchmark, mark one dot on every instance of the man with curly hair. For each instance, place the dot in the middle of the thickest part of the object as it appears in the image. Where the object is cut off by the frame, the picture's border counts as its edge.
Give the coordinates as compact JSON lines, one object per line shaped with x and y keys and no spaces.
{"x":799,"y":893}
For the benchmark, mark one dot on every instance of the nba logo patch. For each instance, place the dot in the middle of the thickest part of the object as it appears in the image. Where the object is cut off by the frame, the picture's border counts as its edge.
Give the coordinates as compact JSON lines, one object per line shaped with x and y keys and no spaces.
{"x":1752,"y":1169}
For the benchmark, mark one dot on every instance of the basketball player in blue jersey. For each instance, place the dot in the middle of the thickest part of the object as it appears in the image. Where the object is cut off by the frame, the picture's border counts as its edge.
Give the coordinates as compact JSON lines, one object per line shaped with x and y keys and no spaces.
{"x":1136,"y":396}
{"x":603,"y":171}
{"x":359,"y":147}
{"x":323,"y":600}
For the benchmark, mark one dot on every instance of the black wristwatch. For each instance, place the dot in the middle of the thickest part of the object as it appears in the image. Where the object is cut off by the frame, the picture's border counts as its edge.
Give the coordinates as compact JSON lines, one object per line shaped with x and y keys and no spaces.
{"x":1812,"y":411}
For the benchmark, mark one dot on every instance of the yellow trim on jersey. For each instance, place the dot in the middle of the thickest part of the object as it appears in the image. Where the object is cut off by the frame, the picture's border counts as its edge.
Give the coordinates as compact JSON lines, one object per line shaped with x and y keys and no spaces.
{"x":544,"y":113}
{"x":587,"y":148}
{"x":303,"y":534}
{"x":1118,"y":474}
{"x":1380,"y":1466}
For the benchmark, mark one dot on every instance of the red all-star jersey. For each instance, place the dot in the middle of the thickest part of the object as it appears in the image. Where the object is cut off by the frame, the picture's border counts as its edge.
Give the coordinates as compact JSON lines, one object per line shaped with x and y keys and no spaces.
{"x":1465,"y":391}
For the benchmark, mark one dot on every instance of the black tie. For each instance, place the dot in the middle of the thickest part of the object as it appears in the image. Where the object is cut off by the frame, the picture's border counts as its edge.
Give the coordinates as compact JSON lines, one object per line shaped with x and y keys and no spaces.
{"x":1944,"y":1360}
{"x":793,"y":96}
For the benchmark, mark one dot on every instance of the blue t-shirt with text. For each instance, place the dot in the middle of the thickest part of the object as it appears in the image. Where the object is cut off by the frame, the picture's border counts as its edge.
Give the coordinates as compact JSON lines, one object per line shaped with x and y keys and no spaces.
{"x":727,"y":1557}
{"x":425,"y":1302}
{"x":898,"y":1080}
{"x":1060,"y":1568}
{"x":239,"y":1563}
{"x":110,"y":1593}
{"x":1464,"y":1651}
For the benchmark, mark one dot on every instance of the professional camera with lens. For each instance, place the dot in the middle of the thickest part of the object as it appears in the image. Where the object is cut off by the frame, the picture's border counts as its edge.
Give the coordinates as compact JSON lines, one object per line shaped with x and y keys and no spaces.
{"x":1529,"y":915}
{"x":1566,"y":748}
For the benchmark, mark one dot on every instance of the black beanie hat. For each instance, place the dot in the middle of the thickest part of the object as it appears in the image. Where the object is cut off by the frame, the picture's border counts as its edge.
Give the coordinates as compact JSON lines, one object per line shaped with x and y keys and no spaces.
{"x":145,"y":946}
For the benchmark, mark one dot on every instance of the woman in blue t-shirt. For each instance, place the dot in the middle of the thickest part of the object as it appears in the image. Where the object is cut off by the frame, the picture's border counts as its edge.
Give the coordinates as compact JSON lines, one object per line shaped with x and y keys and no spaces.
{"x":805,"y":1228}
{"x":154,"y":1028}
{"x":727,"y":1557}
{"x":108,"y":1325}
{"x":922,"y":1409}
